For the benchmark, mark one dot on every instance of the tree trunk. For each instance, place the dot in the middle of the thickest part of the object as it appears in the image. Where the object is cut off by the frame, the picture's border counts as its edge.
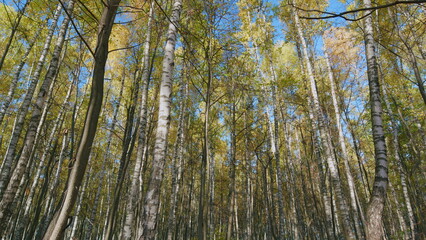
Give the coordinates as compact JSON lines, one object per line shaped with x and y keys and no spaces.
{"x":56,"y":227}
{"x":232,"y":162}
{"x":276,"y":153}
{"x":247,"y":176}
{"x":15,"y":80}
{"x":106,"y":157}
{"x":151,"y":202}
{"x":128,"y":230}
{"x":127,"y":148}
{"x":325,"y":138}
{"x":23,"y":109}
{"x":9,"y":194}
{"x":397,"y":154}
{"x":177,"y":163}
{"x":46,"y":152}
{"x":203,"y":197}
{"x":79,"y":204}
{"x":374,"y":213}
{"x":345,"y":156}
{"x":13,"y":32}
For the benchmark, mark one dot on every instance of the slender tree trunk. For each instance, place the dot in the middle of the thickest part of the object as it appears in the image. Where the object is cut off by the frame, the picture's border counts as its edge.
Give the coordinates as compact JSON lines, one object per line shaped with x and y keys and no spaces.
{"x":23,"y":109}
{"x":128,"y":230}
{"x":48,"y":150}
{"x":106,"y":157}
{"x":374,"y":227}
{"x":247,"y":172}
{"x":80,"y":197}
{"x":177,"y":163}
{"x":51,"y":198}
{"x":330,"y":233}
{"x":232,"y":162}
{"x":56,"y":227}
{"x":345,"y":156}
{"x":152,"y":197}
{"x":127,"y":148}
{"x":13,"y":32}
{"x":276,"y":153}
{"x":417,"y":74}
{"x":325,"y":139}
{"x":203,"y":197}
{"x":16,"y":76}
{"x":402,"y":175}
{"x":13,"y":184}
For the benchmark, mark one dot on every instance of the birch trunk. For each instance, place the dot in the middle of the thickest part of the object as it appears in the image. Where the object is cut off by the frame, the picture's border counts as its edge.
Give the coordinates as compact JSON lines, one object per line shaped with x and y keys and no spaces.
{"x":47,"y":150}
{"x":23,"y":109}
{"x":397,"y":154}
{"x":325,"y":139}
{"x":203,"y":207}
{"x":232,"y":160}
{"x":16,"y":76}
{"x":177,"y":163}
{"x":248,"y":185}
{"x":56,"y":227}
{"x":152,"y":197}
{"x":9,"y":194}
{"x":127,"y":147}
{"x":128,"y":230}
{"x":345,"y":156}
{"x":51,"y":199}
{"x":276,"y":153}
{"x":13,"y":32}
{"x":79,"y":204}
{"x":330,"y":233}
{"x":106,"y":157}
{"x":374,"y":213}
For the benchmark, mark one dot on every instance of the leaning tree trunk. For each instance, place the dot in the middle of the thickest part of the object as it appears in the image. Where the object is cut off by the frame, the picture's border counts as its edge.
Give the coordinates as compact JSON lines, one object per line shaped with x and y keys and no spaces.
{"x":128,"y":232}
{"x":57,"y":225}
{"x":280,"y":180}
{"x":325,"y":138}
{"x":374,"y":227}
{"x":47,"y":150}
{"x":177,"y":163}
{"x":151,"y":202}
{"x":16,"y":76}
{"x":106,"y":157}
{"x":23,"y":109}
{"x":127,"y":148}
{"x":12,"y":33}
{"x":232,"y":162}
{"x":12,"y":187}
{"x":402,"y":175}
{"x":79,"y":204}
{"x":345,"y":156}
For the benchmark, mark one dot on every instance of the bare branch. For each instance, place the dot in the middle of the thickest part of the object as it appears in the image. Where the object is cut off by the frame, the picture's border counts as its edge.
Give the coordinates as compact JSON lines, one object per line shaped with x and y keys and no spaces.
{"x":343,"y":14}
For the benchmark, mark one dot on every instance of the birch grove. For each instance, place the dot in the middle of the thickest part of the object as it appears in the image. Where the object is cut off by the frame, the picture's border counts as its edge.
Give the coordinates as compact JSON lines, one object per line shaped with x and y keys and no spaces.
{"x":212,"y":119}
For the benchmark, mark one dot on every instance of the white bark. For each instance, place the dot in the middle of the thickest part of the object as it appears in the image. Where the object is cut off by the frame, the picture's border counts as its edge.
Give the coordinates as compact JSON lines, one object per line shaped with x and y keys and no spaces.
{"x":16,"y":76}
{"x":324,"y":137}
{"x":23,"y":109}
{"x":345,"y":156}
{"x":128,"y":230}
{"x":9,"y":193}
{"x":374,"y":225}
{"x":177,"y":163}
{"x":152,"y":197}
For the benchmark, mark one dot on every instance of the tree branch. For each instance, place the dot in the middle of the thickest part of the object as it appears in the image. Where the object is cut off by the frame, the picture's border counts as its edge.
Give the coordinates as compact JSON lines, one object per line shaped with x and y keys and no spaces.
{"x":343,"y":14}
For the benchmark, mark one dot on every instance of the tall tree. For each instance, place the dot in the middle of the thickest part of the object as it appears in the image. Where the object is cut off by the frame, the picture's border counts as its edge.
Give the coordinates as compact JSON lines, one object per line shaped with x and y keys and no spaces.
{"x":12,"y":187}
{"x":151,"y":202}
{"x":374,"y":214}
{"x":58,"y":223}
